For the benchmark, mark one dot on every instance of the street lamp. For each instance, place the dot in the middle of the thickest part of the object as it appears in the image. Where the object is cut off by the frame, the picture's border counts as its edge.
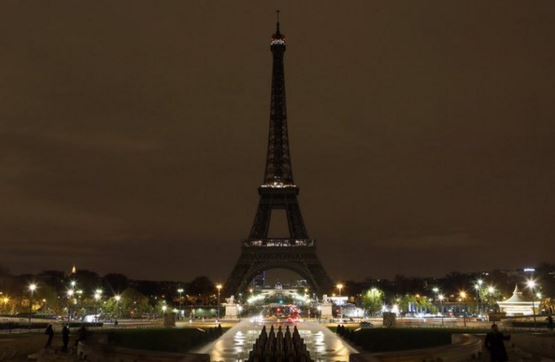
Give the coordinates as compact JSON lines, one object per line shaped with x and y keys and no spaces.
{"x":32,"y":287}
{"x":339,"y":286}
{"x":97,"y":294}
{"x":97,"y":297}
{"x":180,"y":292}
{"x":117,"y":298}
{"x":478,"y":287}
{"x":219,"y":288}
{"x":441,"y":297}
{"x":463,"y":295}
{"x":70,"y":294}
{"x":531,"y":284}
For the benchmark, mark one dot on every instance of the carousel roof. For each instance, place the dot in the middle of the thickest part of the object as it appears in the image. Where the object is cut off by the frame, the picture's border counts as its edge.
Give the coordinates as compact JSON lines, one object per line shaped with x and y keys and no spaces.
{"x":516,"y":298}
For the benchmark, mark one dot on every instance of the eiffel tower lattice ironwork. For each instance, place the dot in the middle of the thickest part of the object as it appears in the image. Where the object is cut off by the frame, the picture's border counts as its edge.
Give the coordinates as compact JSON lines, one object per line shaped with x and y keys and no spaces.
{"x":278,"y":192}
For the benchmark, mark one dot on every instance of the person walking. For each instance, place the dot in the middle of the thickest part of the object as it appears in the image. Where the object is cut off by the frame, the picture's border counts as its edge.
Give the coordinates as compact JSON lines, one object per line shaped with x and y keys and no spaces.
{"x":65,"y":338}
{"x":82,"y":334}
{"x":49,"y":331}
{"x":495,"y":344}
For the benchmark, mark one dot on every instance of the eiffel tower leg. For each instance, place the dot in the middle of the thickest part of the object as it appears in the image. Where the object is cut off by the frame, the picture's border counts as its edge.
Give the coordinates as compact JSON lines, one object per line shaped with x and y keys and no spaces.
{"x":301,"y":260}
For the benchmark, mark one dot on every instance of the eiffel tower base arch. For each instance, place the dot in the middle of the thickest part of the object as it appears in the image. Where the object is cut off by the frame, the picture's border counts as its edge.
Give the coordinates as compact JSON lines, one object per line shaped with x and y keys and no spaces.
{"x":301,"y":260}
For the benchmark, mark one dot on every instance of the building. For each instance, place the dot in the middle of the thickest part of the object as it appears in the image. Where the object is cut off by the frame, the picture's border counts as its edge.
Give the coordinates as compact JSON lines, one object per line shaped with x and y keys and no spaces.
{"x":517,"y":305}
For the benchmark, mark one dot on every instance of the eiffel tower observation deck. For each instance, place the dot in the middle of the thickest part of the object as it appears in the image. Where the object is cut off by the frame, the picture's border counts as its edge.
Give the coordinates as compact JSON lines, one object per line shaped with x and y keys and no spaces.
{"x":278,"y":191}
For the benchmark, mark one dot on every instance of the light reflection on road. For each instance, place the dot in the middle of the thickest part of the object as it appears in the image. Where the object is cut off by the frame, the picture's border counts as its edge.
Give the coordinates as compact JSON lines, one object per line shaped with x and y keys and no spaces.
{"x":236,"y":343}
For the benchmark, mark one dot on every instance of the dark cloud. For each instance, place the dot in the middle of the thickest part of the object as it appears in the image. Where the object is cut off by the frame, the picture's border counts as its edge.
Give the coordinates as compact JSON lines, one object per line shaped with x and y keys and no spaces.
{"x":132,"y":134}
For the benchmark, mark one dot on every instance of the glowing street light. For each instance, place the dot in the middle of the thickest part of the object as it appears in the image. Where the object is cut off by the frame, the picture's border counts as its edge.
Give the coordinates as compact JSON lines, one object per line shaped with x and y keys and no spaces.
{"x":463,"y":295}
{"x":339,"y":287}
{"x":531,"y":284}
{"x":180,"y":292}
{"x":441,"y":298}
{"x":32,"y":287}
{"x":117,"y":298}
{"x":70,"y":293}
{"x":478,"y":288}
{"x":97,"y":296}
{"x":219,"y":288}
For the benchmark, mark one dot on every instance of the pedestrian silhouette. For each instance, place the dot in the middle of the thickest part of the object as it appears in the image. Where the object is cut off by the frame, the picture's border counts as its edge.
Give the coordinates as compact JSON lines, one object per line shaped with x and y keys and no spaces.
{"x":49,"y":331}
{"x":494,"y":344}
{"x":65,"y":338}
{"x":81,"y":335}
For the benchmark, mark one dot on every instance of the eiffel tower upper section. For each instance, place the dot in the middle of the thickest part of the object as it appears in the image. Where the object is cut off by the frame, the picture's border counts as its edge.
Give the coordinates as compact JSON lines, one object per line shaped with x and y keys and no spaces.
{"x":278,"y":190}
{"x":278,"y":172}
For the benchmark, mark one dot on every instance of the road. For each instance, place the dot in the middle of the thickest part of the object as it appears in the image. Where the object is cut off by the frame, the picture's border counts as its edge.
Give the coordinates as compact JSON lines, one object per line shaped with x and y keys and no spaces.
{"x":237,"y":342}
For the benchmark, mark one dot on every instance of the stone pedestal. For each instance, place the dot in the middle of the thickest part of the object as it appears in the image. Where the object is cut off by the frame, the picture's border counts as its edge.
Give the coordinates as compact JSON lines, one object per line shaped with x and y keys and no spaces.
{"x":326,"y":308}
{"x":231,"y":311}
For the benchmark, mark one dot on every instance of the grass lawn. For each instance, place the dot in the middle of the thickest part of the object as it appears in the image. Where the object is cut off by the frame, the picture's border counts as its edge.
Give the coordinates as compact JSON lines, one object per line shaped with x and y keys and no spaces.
{"x":178,"y":340}
{"x":399,"y":339}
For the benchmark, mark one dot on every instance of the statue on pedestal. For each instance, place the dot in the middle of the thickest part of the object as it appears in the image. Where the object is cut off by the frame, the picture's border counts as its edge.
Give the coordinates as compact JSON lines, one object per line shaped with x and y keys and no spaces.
{"x":231,"y":308}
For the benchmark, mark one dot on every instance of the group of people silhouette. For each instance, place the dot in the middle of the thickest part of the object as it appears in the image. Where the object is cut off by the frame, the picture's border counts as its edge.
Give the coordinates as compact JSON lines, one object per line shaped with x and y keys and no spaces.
{"x":49,"y":331}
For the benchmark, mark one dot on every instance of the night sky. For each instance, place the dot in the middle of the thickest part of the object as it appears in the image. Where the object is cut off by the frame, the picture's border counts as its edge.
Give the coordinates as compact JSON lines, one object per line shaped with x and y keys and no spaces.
{"x":133,"y":133}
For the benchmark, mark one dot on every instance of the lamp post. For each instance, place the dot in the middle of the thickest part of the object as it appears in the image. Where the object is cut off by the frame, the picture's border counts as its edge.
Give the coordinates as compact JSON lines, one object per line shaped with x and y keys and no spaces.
{"x":436,"y":292}
{"x":491,"y":294}
{"x":478,"y":288}
{"x":441,"y":297}
{"x":117,"y":297}
{"x":32,"y":287}
{"x":463,"y":295}
{"x":97,"y":298}
{"x":180,"y":292}
{"x":531,"y":284}
{"x":70,"y":294}
{"x":219,"y":288}
{"x":339,"y":287}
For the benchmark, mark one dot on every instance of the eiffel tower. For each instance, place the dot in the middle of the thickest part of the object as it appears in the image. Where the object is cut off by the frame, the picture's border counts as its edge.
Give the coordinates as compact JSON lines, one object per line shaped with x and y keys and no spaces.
{"x":278,"y":192}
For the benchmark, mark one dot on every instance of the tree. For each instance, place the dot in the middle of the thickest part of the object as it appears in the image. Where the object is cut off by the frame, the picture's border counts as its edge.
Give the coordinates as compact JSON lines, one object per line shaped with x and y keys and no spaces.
{"x":48,"y":297}
{"x":201,"y":285}
{"x":87,"y":280}
{"x":417,"y":303}
{"x":115,"y":283}
{"x":134,"y":304}
{"x":373,"y":300}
